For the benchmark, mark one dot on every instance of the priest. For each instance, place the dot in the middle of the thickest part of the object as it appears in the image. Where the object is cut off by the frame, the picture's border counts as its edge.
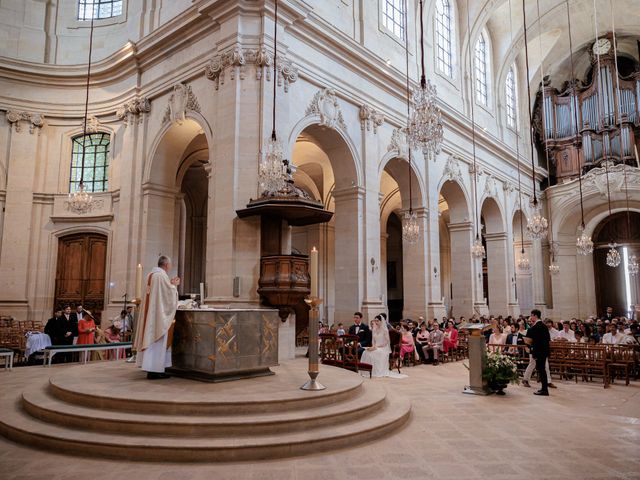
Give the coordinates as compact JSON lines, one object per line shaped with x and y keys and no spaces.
{"x":153,"y":332}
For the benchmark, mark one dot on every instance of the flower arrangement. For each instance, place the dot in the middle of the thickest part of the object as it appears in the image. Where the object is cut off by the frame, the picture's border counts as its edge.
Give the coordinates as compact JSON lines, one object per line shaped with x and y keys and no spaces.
{"x":499,"y":370}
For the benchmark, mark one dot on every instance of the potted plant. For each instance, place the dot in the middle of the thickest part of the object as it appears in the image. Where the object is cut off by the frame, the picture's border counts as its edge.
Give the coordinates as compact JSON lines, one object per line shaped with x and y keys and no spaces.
{"x":499,"y":371}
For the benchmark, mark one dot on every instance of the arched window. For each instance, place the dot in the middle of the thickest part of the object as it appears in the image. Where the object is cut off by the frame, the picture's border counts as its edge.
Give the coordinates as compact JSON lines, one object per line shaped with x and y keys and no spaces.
{"x":481,"y":70}
{"x":394,"y":17}
{"x":511,"y":98}
{"x":96,"y":162}
{"x":99,"y":9}
{"x":444,"y":37}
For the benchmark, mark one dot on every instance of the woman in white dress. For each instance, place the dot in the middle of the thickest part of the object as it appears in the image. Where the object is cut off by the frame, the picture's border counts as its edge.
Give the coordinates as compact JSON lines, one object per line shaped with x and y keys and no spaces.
{"x":377,"y":355}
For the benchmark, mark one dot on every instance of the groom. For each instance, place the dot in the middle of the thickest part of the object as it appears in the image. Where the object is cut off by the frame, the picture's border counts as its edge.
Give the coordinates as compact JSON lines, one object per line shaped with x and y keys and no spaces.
{"x":362,"y":331}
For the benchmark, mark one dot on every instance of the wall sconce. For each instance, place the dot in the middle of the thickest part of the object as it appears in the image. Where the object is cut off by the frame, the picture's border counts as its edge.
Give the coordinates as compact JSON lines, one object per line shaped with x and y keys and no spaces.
{"x":374,"y":267}
{"x":435,"y":272}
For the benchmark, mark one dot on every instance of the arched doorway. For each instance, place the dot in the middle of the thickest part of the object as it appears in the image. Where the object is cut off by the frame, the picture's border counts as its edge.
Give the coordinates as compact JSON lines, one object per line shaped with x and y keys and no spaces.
{"x":176,"y":203}
{"x":523,"y":278}
{"x":80,"y":271}
{"x":614,"y":286}
{"x":456,"y":263}
{"x":395,"y":290}
{"x":495,"y":266}
{"x":325,"y":169}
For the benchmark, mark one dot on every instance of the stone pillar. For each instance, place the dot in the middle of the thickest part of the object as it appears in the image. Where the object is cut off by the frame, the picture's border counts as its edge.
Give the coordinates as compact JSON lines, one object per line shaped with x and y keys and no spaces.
{"x":435,"y":298}
{"x":22,"y":160}
{"x":372,"y":294}
{"x":513,"y":308}
{"x":537,"y":269}
{"x":349,"y":261}
{"x":414,"y":267}
{"x":498,"y":273}
{"x":383,"y":268}
{"x":462,"y":269}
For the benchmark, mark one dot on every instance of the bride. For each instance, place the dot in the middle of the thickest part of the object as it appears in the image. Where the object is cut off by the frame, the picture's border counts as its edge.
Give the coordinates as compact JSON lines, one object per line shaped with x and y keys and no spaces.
{"x":377,"y":355}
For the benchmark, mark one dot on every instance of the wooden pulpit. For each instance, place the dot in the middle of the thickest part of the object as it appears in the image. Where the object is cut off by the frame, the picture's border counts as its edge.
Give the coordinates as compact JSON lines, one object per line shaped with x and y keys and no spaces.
{"x":477,"y":358}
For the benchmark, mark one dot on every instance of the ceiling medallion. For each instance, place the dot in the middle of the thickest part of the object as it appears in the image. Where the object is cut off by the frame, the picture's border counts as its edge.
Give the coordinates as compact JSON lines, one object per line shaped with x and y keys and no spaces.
{"x":613,"y":256}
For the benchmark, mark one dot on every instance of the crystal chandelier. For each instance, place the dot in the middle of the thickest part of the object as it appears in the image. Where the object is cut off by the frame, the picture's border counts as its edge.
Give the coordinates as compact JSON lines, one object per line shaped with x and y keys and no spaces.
{"x":613,"y":256}
{"x":477,"y":249}
{"x":272,"y":172}
{"x":584,"y":243}
{"x":634,"y":266}
{"x":537,"y":225}
{"x":425,"y":129}
{"x":554,"y":268}
{"x":80,"y":201}
{"x":523,"y":262}
{"x":410,"y":228}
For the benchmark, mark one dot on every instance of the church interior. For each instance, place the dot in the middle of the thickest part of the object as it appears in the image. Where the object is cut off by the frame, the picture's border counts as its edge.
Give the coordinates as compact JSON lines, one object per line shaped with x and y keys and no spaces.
{"x":341,"y":237}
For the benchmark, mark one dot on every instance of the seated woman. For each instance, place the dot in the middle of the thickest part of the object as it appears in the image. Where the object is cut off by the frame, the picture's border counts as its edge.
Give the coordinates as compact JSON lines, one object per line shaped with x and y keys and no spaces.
{"x":377,"y":355}
{"x":422,"y":340}
{"x":497,"y":338}
{"x":113,"y":334}
{"x":450,"y":337}
{"x":407,"y":344}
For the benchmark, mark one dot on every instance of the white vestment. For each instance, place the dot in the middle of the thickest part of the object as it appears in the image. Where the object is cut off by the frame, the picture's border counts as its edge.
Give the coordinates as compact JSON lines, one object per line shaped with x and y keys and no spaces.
{"x":158,"y":313}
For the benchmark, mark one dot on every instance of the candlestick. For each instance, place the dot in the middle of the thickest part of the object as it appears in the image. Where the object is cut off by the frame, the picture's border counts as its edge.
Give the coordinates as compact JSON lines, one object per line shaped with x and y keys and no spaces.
{"x":201,"y":293}
{"x":314,"y":367}
{"x":313,"y":272}
{"x":138,"y":293}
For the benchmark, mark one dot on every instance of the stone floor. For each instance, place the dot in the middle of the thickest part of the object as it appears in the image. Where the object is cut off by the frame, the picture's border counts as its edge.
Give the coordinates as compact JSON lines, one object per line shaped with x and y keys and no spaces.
{"x":581,"y":432}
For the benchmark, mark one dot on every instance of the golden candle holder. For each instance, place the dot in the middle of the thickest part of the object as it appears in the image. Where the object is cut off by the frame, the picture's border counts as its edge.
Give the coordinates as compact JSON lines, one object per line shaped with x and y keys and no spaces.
{"x":314,"y":368}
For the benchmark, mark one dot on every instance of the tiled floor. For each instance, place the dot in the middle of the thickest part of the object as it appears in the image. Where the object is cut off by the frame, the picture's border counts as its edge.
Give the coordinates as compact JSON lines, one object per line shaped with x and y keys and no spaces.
{"x":581,"y":432}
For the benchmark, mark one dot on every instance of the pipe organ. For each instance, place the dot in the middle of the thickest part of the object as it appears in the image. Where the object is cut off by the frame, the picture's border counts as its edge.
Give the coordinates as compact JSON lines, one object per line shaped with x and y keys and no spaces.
{"x":580,"y":126}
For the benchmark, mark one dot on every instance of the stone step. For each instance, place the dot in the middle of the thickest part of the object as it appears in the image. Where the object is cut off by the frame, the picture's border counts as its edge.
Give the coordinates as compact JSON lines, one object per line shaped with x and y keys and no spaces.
{"x":39,"y":402}
{"x":387,"y":418}
{"x":131,"y":392}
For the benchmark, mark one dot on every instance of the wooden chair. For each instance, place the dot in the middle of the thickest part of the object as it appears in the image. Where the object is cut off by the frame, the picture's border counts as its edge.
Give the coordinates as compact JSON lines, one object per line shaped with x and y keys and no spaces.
{"x":350,"y":345}
{"x":329,"y":351}
{"x":395,"y":339}
{"x":620,"y":357}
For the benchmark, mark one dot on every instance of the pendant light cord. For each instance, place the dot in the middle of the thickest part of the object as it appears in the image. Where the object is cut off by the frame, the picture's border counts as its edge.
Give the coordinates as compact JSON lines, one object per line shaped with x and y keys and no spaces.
{"x":423,"y":78}
{"x":86,"y":104}
{"x":275,"y":71}
{"x":406,"y":49}
{"x":624,"y":166}
{"x":530,"y":113}
{"x":473,"y":129}
{"x":517,"y":149}
{"x":577,"y":105}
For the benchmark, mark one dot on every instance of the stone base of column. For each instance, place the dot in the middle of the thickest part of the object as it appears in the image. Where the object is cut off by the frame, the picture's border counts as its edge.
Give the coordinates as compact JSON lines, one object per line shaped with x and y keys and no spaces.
{"x":514,"y":309}
{"x":481,"y":308}
{"x":18,"y":310}
{"x":436,"y":310}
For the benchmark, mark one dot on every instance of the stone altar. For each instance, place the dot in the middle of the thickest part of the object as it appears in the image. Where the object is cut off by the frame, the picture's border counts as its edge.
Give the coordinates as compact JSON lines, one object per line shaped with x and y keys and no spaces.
{"x":217,"y":345}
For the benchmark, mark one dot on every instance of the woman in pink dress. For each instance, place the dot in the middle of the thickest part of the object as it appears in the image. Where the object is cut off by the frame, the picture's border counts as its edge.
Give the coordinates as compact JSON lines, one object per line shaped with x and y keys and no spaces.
{"x":407,"y":343}
{"x":86,"y":330}
{"x":450,"y":337}
{"x":112,"y":335}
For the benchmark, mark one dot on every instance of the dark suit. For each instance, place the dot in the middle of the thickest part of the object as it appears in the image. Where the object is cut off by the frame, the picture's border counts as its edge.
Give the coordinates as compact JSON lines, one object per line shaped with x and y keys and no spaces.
{"x":540,"y":338}
{"x":364,"y":336}
{"x":68,"y":325}
{"x":53,"y":330}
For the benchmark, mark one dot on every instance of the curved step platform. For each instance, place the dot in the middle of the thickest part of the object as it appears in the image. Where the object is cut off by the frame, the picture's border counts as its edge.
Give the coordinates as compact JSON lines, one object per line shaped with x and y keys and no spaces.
{"x":111,"y":409}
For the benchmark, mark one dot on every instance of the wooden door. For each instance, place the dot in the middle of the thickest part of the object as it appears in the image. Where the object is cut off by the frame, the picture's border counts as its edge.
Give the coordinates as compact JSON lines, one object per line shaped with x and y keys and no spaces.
{"x":80,"y":275}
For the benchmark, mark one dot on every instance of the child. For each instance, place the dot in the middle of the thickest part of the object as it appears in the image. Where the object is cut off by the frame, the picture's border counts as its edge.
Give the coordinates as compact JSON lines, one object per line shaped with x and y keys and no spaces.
{"x":340,"y":330}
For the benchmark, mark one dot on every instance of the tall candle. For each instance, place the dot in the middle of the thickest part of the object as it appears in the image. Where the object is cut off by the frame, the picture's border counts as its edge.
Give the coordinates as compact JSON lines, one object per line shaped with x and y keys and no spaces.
{"x":313,"y":272}
{"x":201,"y":293}
{"x":138,"y":294}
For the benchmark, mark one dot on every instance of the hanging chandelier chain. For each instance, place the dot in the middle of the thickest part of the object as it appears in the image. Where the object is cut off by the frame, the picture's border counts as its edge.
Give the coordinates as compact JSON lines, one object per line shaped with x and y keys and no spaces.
{"x":624,"y":169}
{"x":86,"y":106}
{"x":406,"y":49}
{"x":473,"y":129}
{"x":423,"y":77}
{"x":544,"y":106}
{"x":275,"y":71}
{"x":529,"y":112}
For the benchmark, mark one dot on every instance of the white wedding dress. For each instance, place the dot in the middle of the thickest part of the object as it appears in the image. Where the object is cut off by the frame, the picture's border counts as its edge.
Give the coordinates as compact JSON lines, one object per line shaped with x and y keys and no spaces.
{"x":379,"y":358}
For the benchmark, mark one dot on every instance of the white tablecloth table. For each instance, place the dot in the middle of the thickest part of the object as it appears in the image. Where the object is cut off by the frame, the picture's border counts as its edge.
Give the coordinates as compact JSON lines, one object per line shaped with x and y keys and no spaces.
{"x":36,"y":342}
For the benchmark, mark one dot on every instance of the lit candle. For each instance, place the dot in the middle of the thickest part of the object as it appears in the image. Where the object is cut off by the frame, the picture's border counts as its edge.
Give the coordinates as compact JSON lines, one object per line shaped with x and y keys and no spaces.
{"x":138,"y":294}
{"x":201,"y":293}
{"x":313,"y":272}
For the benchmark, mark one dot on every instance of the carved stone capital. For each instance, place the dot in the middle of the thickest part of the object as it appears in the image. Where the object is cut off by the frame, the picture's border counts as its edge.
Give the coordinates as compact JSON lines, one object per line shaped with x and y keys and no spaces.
{"x":452,"y":169}
{"x":17,"y":118}
{"x":234,"y":63}
{"x":181,"y":101}
{"x":133,"y":110}
{"x":370,"y":117}
{"x":325,"y":104}
{"x":399,"y":143}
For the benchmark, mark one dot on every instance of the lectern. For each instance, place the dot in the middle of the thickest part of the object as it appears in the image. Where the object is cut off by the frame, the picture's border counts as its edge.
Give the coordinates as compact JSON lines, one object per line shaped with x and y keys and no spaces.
{"x":477,"y":358}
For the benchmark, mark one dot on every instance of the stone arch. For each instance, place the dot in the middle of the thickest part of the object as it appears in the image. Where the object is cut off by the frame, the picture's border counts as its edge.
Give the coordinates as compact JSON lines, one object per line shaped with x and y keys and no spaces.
{"x":398,"y":168}
{"x":457,"y":201}
{"x":493,"y":216}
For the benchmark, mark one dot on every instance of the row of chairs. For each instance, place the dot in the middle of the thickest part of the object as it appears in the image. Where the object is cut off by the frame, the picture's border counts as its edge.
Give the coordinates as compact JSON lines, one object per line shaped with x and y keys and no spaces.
{"x":12,"y":335}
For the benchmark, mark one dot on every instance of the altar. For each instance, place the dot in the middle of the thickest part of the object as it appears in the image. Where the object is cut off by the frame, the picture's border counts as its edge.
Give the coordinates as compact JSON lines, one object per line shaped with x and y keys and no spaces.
{"x":220,"y":344}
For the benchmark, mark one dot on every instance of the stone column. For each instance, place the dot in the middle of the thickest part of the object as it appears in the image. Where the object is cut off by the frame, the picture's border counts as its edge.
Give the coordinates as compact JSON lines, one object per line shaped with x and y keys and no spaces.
{"x":498,"y":273}
{"x":22,"y":160}
{"x":435,"y":298}
{"x":349,"y":261}
{"x":537,"y":271}
{"x":462,"y":269}
{"x":414,"y":267}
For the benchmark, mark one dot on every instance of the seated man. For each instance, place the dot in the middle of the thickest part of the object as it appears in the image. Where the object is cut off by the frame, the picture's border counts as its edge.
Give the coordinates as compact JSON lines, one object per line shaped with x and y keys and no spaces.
{"x":566,"y":334}
{"x":362,"y":331}
{"x":434,"y":346}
